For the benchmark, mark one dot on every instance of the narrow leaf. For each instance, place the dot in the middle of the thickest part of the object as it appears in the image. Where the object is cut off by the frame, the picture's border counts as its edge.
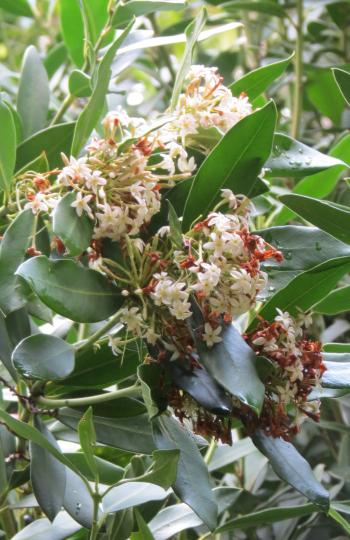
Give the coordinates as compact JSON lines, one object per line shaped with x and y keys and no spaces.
{"x":87,"y":438}
{"x":7,"y":147}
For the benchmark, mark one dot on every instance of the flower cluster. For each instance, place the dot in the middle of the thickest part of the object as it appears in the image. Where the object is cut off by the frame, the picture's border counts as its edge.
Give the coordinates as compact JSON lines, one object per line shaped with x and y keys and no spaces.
{"x":217,"y":267}
{"x":207,"y":103}
{"x":296,"y":368}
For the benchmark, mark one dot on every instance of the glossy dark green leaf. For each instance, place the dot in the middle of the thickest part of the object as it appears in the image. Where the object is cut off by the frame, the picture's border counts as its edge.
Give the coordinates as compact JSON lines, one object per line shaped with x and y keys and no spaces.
{"x":303,"y":248}
{"x":163,"y":470}
{"x":192,"y":33}
{"x":13,"y":249}
{"x":293,"y":158}
{"x":39,"y":164}
{"x":132,"y":434}
{"x":32,"y":434}
{"x":271,"y":8}
{"x":192,"y":484}
{"x":271,"y":515}
{"x":175,"y":225}
{"x":87,"y":439}
{"x":72,"y":29}
{"x":73,"y":291}
{"x":19,"y":7}
{"x":33,"y":93}
{"x":101,"y":368}
{"x":225,"y":455}
{"x":289,"y":465}
{"x":42,"y":529}
{"x":255,"y":82}
{"x":7,"y":147}
{"x":343,"y":81}
{"x":232,"y":363}
{"x":172,"y":520}
{"x":307,"y":288}
{"x":338,"y":518}
{"x":325,"y":215}
{"x":90,"y":115}
{"x":96,"y":13}
{"x":6,"y":348}
{"x":320,"y":84}
{"x":337,"y":374}
{"x":335,"y":302}
{"x":52,"y":141}
{"x":154,"y":388}
{"x":108,"y":472}
{"x":321,"y":184}
{"x":77,"y":500}
{"x":43,"y":357}
{"x":134,"y":8}
{"x":234,"y":163}
{"x":144,"y":532}
{"x":79,"y":84}
{"x":202,"y":387}
{"x":48,"y":475}
{"x":74,"y":231}
{"x":131,"y":494}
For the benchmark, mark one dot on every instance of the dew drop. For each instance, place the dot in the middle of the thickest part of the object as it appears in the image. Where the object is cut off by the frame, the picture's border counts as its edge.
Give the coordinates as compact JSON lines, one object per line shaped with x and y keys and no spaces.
{"x":288,"y":255}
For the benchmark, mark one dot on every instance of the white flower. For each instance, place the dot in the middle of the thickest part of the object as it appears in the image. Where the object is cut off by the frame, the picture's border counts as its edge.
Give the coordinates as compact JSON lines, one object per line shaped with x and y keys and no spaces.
{"x":81,"y":205}
{"x":211,"y":336}
{"x":114,"y":343}
{"x":243,"y":282}
{"x":132,"y":318}
{"x":151,"y":336}
{"x":217,"y":244}
{"x":180,"y":310}
{"x":94,"y":181}
{"x":287,"y":392}
{"x":186,"y":124}
{"x":230,"y":198}
{"x":295,"y":371}
{"x":208,"y":279}
{"x":76,"y":169}
{"x":186,"y":165}
{"x":285,"y":319}
{"x":37,"y":204}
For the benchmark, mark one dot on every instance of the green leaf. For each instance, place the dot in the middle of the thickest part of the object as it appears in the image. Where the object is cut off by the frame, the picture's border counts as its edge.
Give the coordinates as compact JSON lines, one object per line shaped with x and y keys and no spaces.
{"x":144,"y":532}
{"x":225,"y":455}
{"x":260,"y":7}
{"x":321,"y":184}
{"x":96,"y":13}
{"x":52,"y":141}
{"x":74,"y":231}
{"x":108,"y":472}
{"x":306,"y":289}
{"x":164,"y":468}
{"x":7,"y":148}
{"x":43,"y":357}
{"x":172,"y":520}
{"x":79,"y":84}
{"x":192,"y":33}
{"x":201,"y":386}
{"x":101,"y":368}
{"x":42,"y":529}
{"x":154,"y":396}
{"x":79,"y":293}
{"x":339,"y":519}
{"x":19,"y":7}
{"x":56,"y":56}
{"x":87,"y":439}
{"x":78,"y":501}
{"x":30,"y":433}
{"x":343,"y":81}
{"x":134,"y":8}
{"x":13,"y":249}
{"x":320,"y":84}
{"x":289,"y":465}
{"x":335,"y":302}
{"x":255,"y":82}
{"x":131,"y":434}
{"x":33,"y":93}
{"x":192,"y":484}
{"x":303,"y":248}
{"x":234,"y":163}
{"x":131,"y":494}
{"x":89,"y":117}
{"x":293,"y":158}
{"x":264,"y":517}
{"x":72,"y":30}
{"x":325,"y":215}
{"x":175,"y":226}
{"x":48,"y":476}
{"x":337,"y":374}
{"x":232,"y":363}
{"x":39,"y":164}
